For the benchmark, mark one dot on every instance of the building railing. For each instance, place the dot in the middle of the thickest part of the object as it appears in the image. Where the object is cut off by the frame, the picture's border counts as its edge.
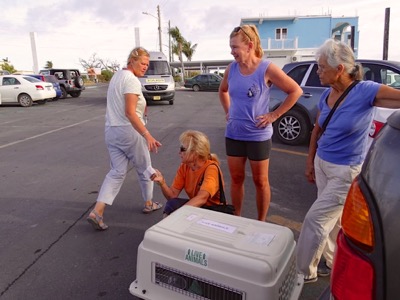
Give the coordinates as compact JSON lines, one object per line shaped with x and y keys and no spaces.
{"x":284,"y":44}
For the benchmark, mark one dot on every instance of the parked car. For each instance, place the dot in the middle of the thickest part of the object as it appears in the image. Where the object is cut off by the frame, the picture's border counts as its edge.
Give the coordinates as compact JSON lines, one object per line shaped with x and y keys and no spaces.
{"x":25,"y":90}
{"x":70,"y":80}
{"x":53,"y":80}
{"x":203,"y":82}
{"x":295,"y":126}
{"x":366,"y":264}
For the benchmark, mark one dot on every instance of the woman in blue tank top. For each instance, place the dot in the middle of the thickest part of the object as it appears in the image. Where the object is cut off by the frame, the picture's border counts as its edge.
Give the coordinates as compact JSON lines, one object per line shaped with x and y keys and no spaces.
{"x":244,"y":95}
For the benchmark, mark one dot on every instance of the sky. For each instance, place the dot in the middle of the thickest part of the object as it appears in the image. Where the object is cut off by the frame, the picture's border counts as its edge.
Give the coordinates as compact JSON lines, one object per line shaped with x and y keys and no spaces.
{"x":70,"y":30}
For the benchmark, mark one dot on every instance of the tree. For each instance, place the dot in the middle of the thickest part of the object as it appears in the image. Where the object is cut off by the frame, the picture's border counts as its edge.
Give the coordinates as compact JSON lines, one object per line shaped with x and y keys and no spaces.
{"x":49,"y":64}
{"x":7,"y":66}
{"x":179,"y":41}
{"x":189,"y":50}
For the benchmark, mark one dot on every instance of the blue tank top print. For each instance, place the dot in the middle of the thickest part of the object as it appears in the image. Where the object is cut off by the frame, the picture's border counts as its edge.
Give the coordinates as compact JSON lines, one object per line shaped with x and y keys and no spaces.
{"x":249,"y":98}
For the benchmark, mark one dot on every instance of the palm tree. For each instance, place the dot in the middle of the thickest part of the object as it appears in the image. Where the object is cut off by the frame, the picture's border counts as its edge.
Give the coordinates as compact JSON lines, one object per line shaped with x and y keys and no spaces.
{"x":179,"y":41}
{"x":189,"y":50}
{"x":49,"y":64}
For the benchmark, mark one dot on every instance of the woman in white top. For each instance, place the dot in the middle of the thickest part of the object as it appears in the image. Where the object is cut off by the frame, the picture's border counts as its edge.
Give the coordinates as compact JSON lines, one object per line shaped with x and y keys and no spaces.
{"x":127,"y":138}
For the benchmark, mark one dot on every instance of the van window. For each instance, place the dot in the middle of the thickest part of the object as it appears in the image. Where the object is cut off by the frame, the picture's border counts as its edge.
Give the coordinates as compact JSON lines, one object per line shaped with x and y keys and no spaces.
{"x":158,"y":68}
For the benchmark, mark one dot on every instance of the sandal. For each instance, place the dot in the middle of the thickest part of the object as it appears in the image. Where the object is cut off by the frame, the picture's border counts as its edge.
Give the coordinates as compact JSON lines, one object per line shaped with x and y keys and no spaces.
{"x":97,"y":221}
{"x":153,"y":207}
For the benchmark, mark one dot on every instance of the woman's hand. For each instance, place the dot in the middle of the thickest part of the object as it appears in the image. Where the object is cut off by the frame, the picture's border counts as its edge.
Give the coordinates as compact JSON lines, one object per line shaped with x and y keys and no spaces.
{"x":265,"y":120}
{"x":157,"y":177}
{"x":310,"y":172}
{"x":152,"y":143}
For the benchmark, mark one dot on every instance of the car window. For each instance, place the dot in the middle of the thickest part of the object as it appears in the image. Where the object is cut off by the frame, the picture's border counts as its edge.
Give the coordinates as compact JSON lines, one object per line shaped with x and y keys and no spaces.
{"x":73,"y":74}
{"x":313,"y":78}
{"x":298,"y":73}
{"x":50,"y":78}
{"x":203,"y":78}
{"x":59,"y":75}
{"x":10,"y":81}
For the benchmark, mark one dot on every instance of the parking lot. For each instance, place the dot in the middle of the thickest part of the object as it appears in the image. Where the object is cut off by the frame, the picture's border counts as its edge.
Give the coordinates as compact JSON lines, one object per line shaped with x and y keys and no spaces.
{"x":53,"y":161}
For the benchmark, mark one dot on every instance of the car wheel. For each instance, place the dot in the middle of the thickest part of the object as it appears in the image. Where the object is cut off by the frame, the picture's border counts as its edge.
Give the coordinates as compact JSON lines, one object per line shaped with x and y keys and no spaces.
{"x":25,"y":100}
{"x":196,"y":88}
{"x":78,"y":82}
{"x":293,"y":128}
{"x":171,"y":102}
{"x":75,"y":94}
{"x":64,"y":93}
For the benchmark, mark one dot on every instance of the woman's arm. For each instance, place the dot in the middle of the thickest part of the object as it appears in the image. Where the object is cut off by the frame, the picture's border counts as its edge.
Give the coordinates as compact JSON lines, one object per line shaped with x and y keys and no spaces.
{"x":130,"y":112}
{"x":387,"y":97}
{"x":312,"y":150}
{"x":168,"y":192}
{"x":275,"y":75}
{"x":223,"y":92}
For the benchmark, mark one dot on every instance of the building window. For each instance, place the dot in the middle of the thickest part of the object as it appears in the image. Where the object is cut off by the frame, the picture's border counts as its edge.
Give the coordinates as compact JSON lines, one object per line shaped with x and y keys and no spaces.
{"x":281,"y":33}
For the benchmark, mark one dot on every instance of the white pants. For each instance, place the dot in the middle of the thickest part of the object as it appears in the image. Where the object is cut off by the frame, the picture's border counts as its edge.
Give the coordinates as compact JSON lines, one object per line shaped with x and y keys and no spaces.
{"x":125,"y":145}
{"x":322,"y":222}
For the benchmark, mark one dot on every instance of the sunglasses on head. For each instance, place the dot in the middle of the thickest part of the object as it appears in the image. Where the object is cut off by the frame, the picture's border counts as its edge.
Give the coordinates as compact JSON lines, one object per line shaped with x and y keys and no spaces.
{"x":237,"y":29}
{"x":182,"y":149}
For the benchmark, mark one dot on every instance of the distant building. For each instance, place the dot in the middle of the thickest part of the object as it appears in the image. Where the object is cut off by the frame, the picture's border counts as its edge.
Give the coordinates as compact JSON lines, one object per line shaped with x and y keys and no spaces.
{"x":296,"y":38}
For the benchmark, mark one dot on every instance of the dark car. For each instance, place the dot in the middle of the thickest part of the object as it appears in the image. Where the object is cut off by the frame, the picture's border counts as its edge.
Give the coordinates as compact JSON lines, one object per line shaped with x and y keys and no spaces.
{"x":53,"y":80}
{"x":204,"y":82}
{"x":70,"y":80}
{"x":366,"y":263}
{"x":295,"y":126}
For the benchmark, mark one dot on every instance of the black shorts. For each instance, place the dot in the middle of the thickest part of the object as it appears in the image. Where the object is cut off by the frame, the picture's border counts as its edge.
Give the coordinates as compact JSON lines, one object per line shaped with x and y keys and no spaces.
{"x":252,"y":150}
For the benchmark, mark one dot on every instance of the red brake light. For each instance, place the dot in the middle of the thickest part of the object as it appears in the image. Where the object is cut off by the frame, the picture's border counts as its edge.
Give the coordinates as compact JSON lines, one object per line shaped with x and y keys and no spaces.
{"x":39,"y":87}
{"x":352,"y":276}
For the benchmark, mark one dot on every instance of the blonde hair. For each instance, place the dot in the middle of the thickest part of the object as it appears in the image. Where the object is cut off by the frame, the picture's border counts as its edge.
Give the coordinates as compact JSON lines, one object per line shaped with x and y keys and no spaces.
{"x":339,"y":53}
{"x":136,"y":53}
{"x":249,"y":33}
{"x":198,"y":145}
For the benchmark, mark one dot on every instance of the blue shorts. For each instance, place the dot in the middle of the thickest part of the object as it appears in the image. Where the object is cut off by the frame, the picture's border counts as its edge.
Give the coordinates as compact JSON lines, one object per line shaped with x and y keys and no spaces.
{"x":173,"y":204}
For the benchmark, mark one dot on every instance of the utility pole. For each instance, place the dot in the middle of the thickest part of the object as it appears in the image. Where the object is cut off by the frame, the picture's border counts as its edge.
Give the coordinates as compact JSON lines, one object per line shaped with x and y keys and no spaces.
{"x":386,"y":34}
{"x":159,"y":26}
{"x":169,"y":41}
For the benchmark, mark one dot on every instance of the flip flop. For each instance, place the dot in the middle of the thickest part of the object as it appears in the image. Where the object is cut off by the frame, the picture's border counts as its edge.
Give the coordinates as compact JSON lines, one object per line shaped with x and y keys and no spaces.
{"x":153,"y":207}
{"x":96,"y":222}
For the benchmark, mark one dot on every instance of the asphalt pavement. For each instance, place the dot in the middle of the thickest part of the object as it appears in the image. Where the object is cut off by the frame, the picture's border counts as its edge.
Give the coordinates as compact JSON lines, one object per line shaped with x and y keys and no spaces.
{"x":53,"y":161}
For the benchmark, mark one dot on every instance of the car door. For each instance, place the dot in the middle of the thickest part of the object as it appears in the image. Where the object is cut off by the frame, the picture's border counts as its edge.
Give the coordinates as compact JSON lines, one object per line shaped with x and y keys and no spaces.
{"x":203,"y":82}
{"x":214,"y":82}
{"x":8,"y":90}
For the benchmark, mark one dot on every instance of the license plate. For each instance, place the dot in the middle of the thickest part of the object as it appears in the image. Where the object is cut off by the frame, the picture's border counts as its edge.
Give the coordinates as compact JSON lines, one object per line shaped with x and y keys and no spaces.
{"x":156,"y":97}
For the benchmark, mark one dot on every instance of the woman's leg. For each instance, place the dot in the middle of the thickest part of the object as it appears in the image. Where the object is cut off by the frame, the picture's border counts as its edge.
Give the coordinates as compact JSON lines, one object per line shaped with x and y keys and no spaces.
{"x":260,"y":170}
{"x":237,"y":171}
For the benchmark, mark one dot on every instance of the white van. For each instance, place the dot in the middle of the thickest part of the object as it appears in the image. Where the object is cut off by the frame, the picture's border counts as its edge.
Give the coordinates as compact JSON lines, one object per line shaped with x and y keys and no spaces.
{"x":158,"y":83}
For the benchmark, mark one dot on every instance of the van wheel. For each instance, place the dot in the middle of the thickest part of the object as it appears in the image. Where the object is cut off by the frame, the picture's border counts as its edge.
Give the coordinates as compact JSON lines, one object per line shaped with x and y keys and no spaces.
{"x":171,"y":102}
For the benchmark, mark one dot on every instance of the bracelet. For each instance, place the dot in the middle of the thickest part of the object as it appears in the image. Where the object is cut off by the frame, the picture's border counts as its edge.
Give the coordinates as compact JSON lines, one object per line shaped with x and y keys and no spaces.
{"x":144,"y":133}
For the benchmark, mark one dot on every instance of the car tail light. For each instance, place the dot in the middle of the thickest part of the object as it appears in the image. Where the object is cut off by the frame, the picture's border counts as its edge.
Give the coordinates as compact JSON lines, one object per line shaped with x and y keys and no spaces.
{"x":39,"y":87}
{"x":352,"y":276}
{"x":375,"y":128}
{"x":356,"y":219}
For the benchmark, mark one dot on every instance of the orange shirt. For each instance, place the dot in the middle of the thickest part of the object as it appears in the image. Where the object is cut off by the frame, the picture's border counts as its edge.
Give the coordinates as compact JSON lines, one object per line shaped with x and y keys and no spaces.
{"x":189,"y":180}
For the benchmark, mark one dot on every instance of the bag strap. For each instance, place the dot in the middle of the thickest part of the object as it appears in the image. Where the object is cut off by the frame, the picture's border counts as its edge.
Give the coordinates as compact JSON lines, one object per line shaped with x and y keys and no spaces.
{"x":221,"y":187}
{"x":342,"y":96}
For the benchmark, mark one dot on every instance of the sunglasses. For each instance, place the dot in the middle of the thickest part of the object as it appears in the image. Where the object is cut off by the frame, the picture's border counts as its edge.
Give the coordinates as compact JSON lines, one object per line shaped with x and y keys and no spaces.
{"x":237,"y":29}
{"x":182,"y":149}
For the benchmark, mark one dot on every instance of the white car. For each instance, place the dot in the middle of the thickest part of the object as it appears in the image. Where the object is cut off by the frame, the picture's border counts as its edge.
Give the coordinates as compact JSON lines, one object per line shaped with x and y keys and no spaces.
{"x":25,"y":90}
{"x":380,"y":116}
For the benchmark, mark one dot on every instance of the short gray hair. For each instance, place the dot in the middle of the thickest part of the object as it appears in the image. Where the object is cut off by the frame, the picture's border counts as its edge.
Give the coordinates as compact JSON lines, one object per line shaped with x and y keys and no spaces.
{"x":338,"y":53}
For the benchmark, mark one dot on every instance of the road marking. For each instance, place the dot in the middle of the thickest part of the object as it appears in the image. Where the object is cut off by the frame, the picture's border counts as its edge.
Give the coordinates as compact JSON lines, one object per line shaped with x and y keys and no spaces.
{"x":289,"y":151}
{"x":279,"y":220}
{"x":48,"y":132}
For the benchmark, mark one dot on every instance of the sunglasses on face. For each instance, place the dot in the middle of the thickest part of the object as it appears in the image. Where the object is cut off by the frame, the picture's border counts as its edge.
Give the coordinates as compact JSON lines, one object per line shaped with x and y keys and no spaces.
{"x":182,"y":149}
{"x":237,"y":29}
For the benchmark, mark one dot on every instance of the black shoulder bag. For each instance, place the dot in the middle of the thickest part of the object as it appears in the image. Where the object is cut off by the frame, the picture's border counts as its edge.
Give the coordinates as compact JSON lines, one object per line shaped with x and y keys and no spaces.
{"x":342,"y":96}
{"x":223,"y":207}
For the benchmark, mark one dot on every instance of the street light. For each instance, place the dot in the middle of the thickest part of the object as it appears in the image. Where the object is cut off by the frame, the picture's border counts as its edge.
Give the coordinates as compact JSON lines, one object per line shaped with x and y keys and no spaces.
{"x":159,"y":24}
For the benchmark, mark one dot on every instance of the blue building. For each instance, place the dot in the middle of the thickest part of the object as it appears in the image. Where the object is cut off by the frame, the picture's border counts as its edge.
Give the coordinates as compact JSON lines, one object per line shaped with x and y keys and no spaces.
{"x":296,"y":38}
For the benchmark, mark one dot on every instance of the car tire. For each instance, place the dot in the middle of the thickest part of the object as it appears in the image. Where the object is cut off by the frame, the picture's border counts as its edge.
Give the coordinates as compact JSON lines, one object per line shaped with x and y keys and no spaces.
{"x":78,"y":81}
{"x":196,"y":88}
{"x":44,"y":101}
{"x":64,"y":93}
{"x":171,"y":102}
{"x":75,"y":94}
{"x":25,"y":100}
{"x":293,"y":128}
